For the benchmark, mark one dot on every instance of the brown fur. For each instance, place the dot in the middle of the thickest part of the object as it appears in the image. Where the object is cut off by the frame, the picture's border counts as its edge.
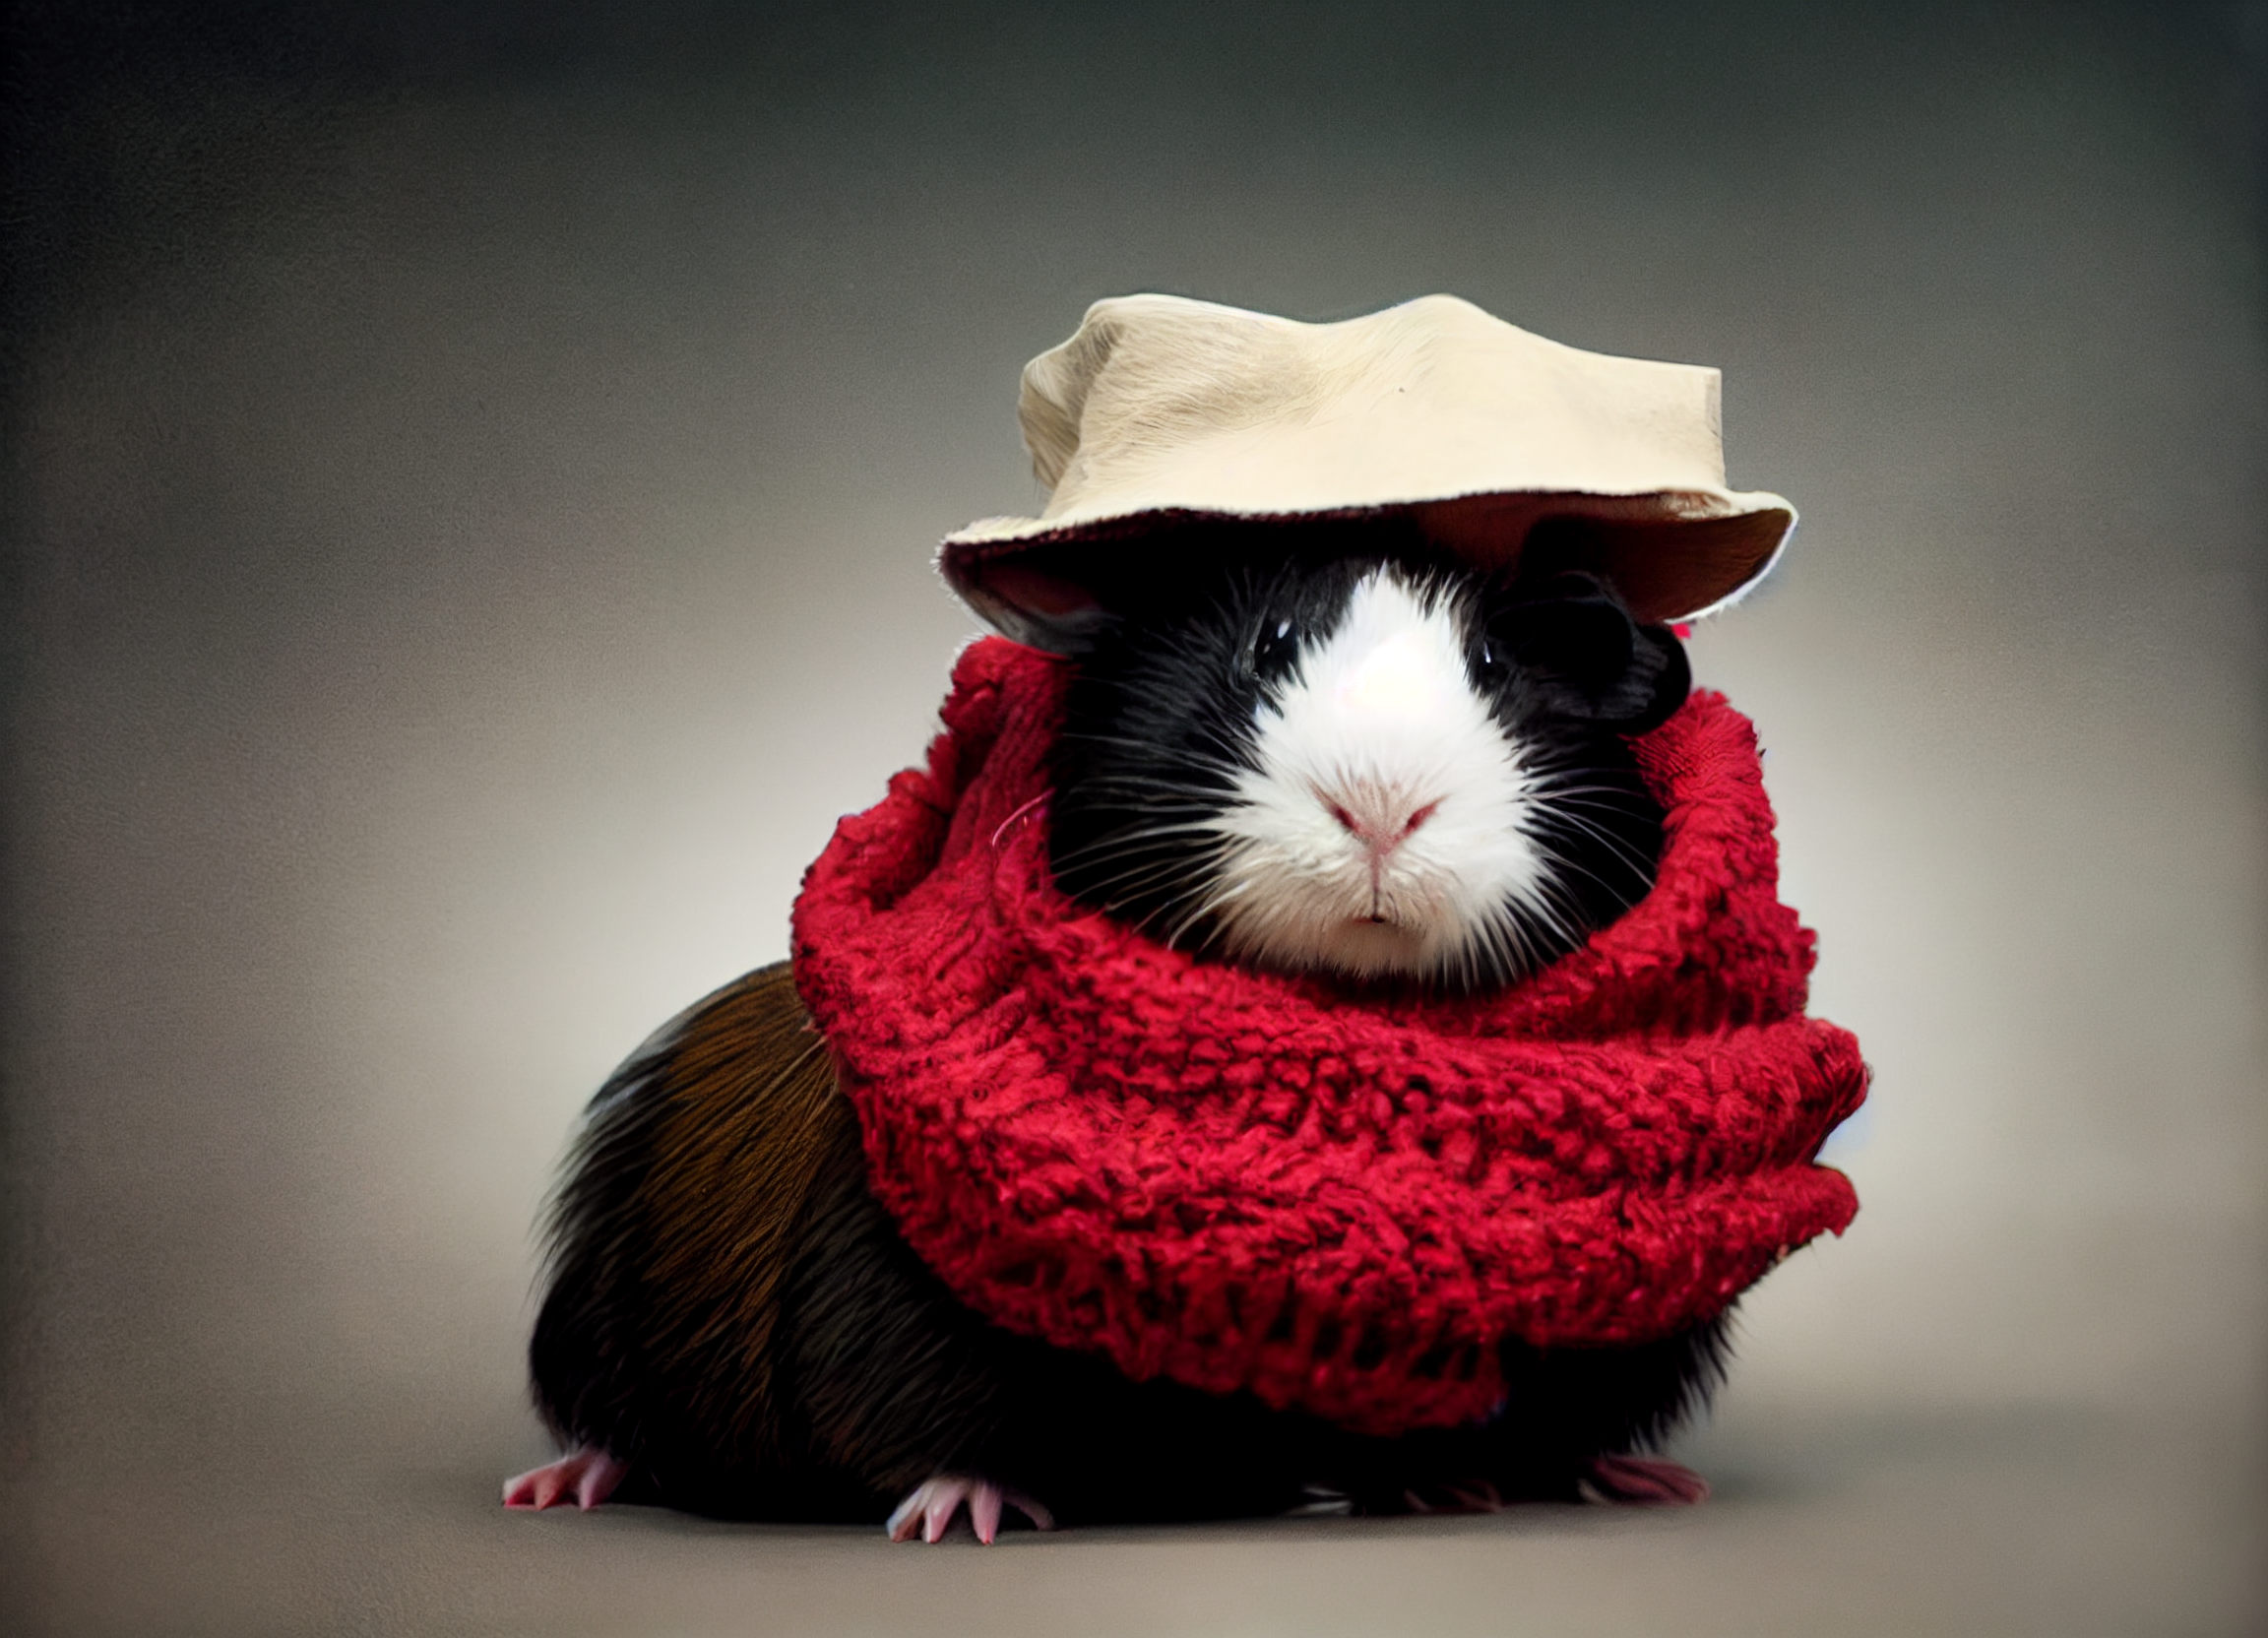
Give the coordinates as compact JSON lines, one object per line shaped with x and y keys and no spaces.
{"x":734,"y":1315}
{"x":752,"y":1105}
{"x":677,"y":1225}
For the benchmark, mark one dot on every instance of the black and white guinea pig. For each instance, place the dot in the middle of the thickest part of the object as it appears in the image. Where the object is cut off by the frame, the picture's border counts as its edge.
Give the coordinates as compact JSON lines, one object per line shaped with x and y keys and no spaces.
{"x":1383,"y":766}
{"x":1326,"y":751}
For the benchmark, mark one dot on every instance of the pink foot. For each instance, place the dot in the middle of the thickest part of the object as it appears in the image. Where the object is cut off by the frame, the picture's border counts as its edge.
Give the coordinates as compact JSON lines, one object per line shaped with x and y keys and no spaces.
{"x":928,"y":1508}
{"x":1641,"y":1482}
{"x":588,"y":1476}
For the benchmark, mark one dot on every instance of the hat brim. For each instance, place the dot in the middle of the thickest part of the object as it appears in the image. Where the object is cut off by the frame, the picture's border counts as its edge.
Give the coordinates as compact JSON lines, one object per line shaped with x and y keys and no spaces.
{"x":1672,"y":554}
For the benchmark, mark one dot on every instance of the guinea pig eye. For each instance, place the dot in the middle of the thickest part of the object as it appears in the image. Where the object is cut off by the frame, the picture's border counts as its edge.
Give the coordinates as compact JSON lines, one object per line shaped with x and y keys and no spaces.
{"x":1489,"y":667}
{"x":1274,"y":651}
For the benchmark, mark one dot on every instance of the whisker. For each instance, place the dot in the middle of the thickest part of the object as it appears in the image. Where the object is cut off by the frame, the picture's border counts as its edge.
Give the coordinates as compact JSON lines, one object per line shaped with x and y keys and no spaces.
{"x":1163,"y":869}
{"x":1620,"y":847}
{"x":1104,"y":846}
{"x":1230,"y":761}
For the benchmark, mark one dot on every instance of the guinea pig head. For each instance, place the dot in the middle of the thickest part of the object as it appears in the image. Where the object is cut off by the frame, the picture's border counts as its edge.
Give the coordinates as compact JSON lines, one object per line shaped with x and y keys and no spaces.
{"x":1379,"y":768}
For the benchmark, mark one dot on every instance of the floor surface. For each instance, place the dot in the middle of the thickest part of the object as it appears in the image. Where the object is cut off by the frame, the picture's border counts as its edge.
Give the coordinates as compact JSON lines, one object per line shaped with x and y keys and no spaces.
{"x":2019,"y":1520}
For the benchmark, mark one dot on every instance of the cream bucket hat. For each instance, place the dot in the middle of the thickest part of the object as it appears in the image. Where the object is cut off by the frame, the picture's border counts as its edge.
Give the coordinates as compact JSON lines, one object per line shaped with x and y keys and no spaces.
{"x":1162,"y":411}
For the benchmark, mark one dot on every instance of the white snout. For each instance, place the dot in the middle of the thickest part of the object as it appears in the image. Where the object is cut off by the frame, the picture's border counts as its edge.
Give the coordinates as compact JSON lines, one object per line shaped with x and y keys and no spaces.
{"x":1382,"y":829}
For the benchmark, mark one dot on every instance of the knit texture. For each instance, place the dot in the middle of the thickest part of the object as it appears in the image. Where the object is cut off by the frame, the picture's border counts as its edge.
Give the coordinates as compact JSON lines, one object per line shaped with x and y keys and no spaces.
{"x":1339,"y":1202}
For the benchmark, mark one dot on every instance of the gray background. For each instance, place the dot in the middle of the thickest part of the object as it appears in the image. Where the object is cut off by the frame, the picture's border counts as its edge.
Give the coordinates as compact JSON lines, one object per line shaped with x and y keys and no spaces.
{"x":472,"y":476}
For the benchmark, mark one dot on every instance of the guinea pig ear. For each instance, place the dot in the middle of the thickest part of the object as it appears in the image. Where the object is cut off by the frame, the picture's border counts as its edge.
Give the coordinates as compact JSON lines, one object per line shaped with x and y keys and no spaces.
{"x":1027,"y":604}
{"x":1661,"y":675}
{"x":1592,"y":661}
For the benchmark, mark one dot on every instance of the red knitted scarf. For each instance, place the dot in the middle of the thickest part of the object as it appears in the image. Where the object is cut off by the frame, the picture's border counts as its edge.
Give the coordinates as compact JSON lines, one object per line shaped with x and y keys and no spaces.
{"x":1338,"y":1202}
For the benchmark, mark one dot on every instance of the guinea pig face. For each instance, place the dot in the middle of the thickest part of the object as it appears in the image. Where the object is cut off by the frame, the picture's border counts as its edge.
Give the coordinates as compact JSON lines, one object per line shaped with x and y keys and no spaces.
{"x":1368,"y":769}
{"x":1382,"y":824}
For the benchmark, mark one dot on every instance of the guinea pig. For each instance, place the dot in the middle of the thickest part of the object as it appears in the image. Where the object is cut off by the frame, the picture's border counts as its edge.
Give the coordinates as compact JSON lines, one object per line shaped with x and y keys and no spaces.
{"x":1327,"y":750}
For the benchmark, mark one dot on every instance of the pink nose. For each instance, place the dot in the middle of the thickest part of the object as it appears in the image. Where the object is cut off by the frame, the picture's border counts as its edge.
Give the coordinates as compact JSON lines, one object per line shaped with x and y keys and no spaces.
{"x":1381,"y":828}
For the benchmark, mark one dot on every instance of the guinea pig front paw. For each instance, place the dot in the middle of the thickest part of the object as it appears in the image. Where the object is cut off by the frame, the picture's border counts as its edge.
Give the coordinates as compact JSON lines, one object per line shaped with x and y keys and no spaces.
{"x":1640,"y":1482}
{"x":1468,"y":1495}
{"x":588,"y":1476}
{"x":929,"y":1507}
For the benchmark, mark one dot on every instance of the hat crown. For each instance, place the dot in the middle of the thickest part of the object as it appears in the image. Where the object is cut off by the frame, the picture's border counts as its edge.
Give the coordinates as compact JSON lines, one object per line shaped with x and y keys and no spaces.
{"x":1158,"y":386}
{"x":1161,"y":407}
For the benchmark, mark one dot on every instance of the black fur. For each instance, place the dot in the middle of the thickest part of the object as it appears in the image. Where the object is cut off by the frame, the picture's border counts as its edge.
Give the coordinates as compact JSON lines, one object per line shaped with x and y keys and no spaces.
{"x":1160,"y":724}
